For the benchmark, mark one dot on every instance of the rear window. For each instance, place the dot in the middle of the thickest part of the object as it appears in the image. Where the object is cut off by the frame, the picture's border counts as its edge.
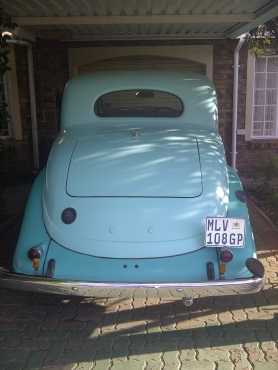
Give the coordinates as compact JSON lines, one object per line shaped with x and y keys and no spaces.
{"x":138,"y":103}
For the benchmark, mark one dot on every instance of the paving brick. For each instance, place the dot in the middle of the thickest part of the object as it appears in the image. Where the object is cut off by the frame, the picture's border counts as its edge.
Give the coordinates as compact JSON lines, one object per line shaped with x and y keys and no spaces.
{"x":35,"y":360}
{"x":213,"y":354}
{"x":266,"y":366}
{"x":132,"y":364}
{"x":87,"y":353}
{"x":184,"y":324}
{"x":11,"y":340}
{"x":225,"y":317}
{"x":148,"y":356}
{"x":187,"y":355}
{"x":224,"y":365}
{"x":171,"y":359}
{"x":84,"y":365}
{"x":59,"y":367}
{"x":238,"y":355}
{"x":239,"y":315}
{"x":272,"y":356}
{"x":200,"y":365}
{"x":55,"y":353}
{"x":102,"y":364}
{"x":255,"y":354}
{"x":14,"y":366}
{"x":13,"y":356}
{"x":269,"y":346}
{"x":154,"y":365}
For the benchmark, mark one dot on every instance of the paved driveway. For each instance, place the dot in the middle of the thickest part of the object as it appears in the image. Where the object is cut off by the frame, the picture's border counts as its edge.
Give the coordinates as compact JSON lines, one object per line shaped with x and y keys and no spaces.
{"x":46,"y":332}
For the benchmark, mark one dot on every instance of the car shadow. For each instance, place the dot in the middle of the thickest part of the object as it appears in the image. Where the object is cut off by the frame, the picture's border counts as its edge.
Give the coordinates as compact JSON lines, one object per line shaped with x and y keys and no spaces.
{"x":66,"y":329}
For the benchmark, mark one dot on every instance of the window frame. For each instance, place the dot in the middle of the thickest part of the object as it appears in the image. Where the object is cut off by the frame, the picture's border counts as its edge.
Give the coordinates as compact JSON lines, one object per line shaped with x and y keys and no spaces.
{"x":143,"y":116}
{"x":250,"y":95}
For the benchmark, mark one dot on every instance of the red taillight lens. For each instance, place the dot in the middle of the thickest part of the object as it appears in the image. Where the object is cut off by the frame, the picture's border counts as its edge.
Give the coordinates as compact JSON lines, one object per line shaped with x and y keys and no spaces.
{"x":34,"y":253}
{"x":226,"y":256}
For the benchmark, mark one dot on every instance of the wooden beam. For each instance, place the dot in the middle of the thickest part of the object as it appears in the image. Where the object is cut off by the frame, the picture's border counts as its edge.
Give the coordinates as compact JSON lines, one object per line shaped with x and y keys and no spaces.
{"x":261,"y":17}
{"x":23,"y":34}
{"x":148,"y":19}
{"x":146,"y":37}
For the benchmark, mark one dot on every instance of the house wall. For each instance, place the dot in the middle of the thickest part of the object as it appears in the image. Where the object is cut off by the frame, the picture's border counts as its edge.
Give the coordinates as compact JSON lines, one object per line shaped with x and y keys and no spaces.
{"x":251,"y":154}
{"x":51,"y":74}
{"x":223,"y":80}
{"x":16,"y":155}
{"x":51,"y":66}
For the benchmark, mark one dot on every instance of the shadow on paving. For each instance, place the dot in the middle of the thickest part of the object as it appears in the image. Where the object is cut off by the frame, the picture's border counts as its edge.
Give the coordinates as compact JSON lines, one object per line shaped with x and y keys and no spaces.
{"x":66,"y":330}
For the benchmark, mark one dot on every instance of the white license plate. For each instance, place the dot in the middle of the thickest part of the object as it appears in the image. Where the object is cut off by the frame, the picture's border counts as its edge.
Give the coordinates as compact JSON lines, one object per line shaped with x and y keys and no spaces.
{"x":225,"y":232}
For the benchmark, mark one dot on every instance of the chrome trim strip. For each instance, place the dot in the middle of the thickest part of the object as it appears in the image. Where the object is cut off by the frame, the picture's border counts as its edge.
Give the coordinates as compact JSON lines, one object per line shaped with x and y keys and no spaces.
{"x":113,"y":290}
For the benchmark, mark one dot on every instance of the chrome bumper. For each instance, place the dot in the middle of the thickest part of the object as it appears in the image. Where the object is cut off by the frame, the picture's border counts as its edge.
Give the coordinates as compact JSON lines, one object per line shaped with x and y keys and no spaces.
{"x":115,"y":290}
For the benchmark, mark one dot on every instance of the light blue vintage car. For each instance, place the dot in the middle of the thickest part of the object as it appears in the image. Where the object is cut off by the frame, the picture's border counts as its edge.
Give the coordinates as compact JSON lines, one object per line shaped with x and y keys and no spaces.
{"x":137,"y":198}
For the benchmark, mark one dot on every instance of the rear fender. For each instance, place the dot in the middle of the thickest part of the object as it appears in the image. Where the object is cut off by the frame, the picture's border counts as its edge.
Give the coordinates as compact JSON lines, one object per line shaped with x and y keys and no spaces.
{"x":238,"y":209}
{"x":32,"y":232}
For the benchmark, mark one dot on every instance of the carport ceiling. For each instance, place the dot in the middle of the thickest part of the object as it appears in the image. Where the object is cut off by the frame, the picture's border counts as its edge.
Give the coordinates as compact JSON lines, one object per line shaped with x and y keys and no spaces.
{"x":139,"y":19}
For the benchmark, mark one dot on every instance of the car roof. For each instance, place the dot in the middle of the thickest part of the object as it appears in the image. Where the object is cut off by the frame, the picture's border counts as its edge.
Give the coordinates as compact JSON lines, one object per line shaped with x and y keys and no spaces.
{"x":195,"y":90}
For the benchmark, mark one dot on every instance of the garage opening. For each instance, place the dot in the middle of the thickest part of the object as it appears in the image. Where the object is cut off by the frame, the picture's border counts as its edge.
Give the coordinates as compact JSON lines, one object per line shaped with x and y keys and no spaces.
{"x":139,"y":62}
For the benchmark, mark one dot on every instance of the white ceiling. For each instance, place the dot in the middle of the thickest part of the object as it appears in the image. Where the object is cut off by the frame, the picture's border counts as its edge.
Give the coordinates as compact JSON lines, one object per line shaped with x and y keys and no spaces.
{"x":139,"y":19}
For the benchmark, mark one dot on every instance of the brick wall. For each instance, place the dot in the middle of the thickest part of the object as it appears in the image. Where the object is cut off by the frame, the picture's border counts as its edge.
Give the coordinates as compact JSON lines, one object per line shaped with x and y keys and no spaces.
{"x":250,"y":154}
{"x":223,"y":51}
{"x":51,"y":68}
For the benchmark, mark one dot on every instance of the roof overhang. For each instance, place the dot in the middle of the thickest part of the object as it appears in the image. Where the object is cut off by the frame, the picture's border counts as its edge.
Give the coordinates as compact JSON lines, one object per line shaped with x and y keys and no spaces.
{"x":122,"y":20}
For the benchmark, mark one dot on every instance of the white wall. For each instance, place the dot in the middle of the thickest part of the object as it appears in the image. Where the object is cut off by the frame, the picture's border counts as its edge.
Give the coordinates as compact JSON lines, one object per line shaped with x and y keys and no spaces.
{"x":80,"y":58}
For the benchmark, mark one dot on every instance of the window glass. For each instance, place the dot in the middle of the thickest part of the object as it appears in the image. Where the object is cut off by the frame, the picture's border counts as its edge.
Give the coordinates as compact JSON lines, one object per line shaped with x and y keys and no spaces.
{"x":265,"y":102}
{"x":138,"y":103}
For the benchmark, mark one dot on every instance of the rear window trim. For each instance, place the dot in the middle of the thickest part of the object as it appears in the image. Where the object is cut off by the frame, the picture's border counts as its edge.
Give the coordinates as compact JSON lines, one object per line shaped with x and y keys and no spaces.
{"x":133,"y":116}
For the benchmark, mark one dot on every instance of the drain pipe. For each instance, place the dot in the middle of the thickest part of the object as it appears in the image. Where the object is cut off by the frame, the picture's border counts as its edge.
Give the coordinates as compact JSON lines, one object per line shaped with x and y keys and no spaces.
{"x":235,"y":99}
{"x":33,"y":104}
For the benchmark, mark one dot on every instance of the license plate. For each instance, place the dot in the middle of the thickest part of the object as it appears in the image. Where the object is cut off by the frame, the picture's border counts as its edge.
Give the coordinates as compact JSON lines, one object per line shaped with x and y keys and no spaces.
{"x":225,"y":232}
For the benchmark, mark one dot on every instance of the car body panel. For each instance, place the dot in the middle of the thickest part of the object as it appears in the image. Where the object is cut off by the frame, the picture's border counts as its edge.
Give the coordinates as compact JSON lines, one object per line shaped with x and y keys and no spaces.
{"x":134,"y":227}
{"x":188,"y":267}
{"x":33,"y":231}
{"x":141,"y":188}
{"x":133,"y":163}
{"x":196,"y":91}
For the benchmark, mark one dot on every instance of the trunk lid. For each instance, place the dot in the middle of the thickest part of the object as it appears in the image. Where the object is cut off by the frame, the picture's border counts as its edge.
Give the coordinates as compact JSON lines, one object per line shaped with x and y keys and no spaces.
{"x":134,"y":163}
{"x":136,"y":226}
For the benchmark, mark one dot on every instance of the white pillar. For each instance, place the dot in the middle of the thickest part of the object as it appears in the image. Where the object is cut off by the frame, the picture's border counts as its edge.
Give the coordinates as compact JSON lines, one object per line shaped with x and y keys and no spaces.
{"x":33,"y":104}
{"x":235,"y":99}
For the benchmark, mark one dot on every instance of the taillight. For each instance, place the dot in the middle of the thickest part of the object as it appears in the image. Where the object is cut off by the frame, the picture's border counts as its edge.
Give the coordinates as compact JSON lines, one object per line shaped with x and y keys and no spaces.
{"x":34,"y":254}
{"x":68,"y":215}
{"x":226,"y":256}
